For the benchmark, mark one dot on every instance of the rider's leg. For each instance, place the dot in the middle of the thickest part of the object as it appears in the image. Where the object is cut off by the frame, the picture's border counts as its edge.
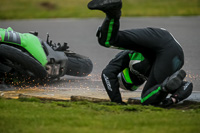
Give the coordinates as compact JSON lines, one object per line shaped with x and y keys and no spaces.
{"x":165,"y":76}
{"x":108,"y":31}
{"x":144,"y":40}
{"x":156,"y":94}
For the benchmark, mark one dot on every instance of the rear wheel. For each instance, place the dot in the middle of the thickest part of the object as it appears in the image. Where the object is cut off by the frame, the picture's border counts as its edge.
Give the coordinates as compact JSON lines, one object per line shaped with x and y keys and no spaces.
{"x":23,"y":66}
{"x":78,"y":65}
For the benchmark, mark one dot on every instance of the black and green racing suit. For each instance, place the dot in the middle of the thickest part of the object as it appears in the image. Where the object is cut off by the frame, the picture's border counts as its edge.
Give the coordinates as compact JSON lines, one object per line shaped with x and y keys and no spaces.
{"x":118,"y":74}
{"x":157,"y":45}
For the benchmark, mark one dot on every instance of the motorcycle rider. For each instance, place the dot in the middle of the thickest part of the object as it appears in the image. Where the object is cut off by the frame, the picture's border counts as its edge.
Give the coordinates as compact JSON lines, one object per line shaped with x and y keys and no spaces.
{"x":160,"y":59}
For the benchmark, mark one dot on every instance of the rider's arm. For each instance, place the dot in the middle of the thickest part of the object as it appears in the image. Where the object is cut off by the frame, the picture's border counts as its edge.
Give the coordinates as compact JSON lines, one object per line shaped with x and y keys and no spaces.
{"x":109,"y":74}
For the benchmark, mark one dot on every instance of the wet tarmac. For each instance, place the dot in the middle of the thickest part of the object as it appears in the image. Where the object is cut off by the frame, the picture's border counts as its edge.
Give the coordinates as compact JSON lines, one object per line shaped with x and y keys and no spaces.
{"x":80,"y":35}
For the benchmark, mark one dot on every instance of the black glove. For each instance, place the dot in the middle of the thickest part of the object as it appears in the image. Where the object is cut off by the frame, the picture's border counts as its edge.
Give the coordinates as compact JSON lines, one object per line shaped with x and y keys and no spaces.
{"x":167,"y":102}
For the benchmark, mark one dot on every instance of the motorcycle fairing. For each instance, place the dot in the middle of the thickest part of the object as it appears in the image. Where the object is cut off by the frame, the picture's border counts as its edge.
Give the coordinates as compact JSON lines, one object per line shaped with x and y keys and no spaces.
{"x":26,"y":40}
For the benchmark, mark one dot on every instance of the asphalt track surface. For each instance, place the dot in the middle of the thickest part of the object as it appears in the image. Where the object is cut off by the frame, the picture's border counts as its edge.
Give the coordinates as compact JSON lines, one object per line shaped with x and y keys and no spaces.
{"x":80,"y":34}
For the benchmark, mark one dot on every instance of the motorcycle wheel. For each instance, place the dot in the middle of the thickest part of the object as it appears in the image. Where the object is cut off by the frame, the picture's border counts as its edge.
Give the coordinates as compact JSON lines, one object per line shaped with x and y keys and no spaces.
{"x":78,"y":65}
{"x":21,"y":62}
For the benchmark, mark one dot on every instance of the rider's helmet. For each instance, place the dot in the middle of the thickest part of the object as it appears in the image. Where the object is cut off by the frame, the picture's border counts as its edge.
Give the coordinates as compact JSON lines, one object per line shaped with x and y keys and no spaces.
{"x":129,"y":80}
{"x":132,"y":77}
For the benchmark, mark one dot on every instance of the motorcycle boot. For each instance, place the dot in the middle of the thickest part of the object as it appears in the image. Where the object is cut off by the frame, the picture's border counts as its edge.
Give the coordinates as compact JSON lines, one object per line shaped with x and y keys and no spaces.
{"x":172,"y":83}
{"x":183,"y":92}
{"x":180,"y":94}
{"x":111,"y":7}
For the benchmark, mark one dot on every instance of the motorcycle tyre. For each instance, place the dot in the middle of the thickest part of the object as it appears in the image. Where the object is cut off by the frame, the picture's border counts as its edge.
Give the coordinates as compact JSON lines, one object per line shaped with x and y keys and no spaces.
{"x":78,"y":65}
{"x":29,"y":63}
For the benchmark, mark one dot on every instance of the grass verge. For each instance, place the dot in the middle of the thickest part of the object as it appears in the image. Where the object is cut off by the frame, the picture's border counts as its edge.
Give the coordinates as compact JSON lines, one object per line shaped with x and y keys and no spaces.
{"x":33,"y":115}
{"x":28,"y":9}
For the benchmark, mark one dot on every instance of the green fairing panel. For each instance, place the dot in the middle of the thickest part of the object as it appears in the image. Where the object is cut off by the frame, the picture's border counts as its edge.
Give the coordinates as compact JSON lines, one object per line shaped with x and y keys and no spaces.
{"x":28,"y":41}
{"x":32,"y":44}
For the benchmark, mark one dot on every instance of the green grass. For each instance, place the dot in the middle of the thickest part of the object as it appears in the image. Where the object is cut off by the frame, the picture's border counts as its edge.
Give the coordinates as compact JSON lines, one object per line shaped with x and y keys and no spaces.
{"x":28,"y":9}
{"x":32,"y":115}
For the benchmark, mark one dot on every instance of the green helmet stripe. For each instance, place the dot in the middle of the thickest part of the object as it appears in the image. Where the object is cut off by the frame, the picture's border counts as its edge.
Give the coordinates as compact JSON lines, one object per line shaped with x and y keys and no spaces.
{"x":150,"y":94}
{"x":137,"y":56}
{"x":127,"y":76}
{"x":110,"y":29}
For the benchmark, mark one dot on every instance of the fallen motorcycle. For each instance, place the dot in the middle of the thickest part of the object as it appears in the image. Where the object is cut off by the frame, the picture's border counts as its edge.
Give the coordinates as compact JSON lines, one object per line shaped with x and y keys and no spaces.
{"x":25,"y":58}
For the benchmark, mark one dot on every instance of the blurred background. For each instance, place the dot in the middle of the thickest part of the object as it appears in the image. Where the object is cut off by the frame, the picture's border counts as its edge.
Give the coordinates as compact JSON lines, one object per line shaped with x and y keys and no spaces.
{"x":29,"y":9}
